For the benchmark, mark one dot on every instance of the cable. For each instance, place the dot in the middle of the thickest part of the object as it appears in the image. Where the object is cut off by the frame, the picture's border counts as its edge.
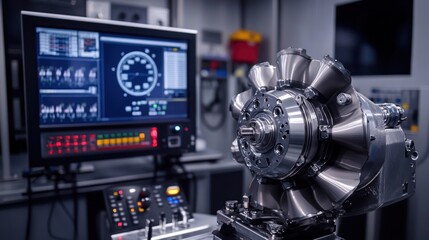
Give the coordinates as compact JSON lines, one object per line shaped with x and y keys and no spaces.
{"x":75,"y":204}
{"x":72,"y":177}
{"x":219,"y":99}
{"x":51,"y":211}
{"x":29,"y":209}
{"x":190,"y":176}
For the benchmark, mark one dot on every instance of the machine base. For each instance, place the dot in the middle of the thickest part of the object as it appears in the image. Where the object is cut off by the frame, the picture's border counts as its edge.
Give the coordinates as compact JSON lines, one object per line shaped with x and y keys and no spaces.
{"x":235,"y":225}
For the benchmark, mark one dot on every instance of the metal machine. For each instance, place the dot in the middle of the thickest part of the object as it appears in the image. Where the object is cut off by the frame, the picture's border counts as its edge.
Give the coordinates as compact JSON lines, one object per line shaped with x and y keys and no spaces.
{"x":316,"y":148}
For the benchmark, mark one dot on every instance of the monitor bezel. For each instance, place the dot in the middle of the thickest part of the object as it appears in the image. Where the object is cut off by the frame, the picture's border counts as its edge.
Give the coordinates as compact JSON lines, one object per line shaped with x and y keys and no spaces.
{"x":31,"y":20}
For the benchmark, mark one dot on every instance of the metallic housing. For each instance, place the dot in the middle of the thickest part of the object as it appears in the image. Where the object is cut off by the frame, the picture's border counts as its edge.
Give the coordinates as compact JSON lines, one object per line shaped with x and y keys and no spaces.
{"x":316,"y":149}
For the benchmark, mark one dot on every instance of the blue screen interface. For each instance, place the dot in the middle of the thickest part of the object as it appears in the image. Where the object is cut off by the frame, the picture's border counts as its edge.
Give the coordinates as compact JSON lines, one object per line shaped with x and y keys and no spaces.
{"x":94,"y":77}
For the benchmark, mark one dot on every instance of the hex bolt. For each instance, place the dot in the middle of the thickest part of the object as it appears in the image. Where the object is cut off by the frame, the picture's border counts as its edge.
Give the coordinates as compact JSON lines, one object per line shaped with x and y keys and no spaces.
{"x":300,"y":161}
{"x":231,"y":206}
{"x":324,"y":132}
{"x":409,"y":145}
{"x":282,"y":84}
{"x":310,"y":93}
{"x":344,"y":99}
{"x":313,"y":169}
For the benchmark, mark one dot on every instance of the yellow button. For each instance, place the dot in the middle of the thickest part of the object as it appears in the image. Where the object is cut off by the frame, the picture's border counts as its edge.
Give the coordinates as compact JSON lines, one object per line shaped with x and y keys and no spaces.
{"x":119,"y":140}
{"x":136,"y":139}
{"x":114,"y":210}
{"x":141,"y":209}
{"x":99,"y":142}
{"x":115,"y":194}
{"x":125,"y":140}
{"x":172,"y":190}
{"x":106,"y":141}
{"x":112,"y":141}
{"x":142,"y":136}
{"x":132,"y":210}
{"x":131,"y":140}
{"x":139,"y":204}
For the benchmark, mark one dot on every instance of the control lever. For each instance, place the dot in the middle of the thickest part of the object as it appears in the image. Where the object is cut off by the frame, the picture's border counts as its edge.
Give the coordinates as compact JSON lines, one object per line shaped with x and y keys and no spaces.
{"x":175,"y":218}
{"x":184,"y":217}
{"x":148,"y":229}
{"x":162,"y":222}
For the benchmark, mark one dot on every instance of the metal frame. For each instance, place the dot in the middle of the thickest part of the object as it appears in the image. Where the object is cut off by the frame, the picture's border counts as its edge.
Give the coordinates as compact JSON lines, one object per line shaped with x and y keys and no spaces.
{"x":4,"y":125}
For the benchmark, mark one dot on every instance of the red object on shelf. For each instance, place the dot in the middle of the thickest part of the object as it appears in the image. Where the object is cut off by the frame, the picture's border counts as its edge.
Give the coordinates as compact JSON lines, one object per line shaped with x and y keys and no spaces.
{"x":242,"y":51}
{"x":244,"y":46}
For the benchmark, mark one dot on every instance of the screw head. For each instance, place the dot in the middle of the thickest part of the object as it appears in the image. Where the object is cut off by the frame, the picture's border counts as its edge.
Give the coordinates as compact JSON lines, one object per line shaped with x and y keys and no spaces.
{"x":344,"y":99}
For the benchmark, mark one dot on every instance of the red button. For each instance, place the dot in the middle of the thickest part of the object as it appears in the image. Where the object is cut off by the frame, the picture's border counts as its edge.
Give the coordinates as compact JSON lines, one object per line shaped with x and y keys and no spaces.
{"x":119,"y":224}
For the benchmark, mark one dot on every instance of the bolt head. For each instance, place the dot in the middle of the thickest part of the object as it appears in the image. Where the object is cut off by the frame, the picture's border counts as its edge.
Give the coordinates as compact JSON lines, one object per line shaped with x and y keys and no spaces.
{"x":310,"y":93}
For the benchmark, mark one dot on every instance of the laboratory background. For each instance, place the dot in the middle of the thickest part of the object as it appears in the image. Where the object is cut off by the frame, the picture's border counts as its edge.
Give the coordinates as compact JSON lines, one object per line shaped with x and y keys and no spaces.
{"x":214,"y":119}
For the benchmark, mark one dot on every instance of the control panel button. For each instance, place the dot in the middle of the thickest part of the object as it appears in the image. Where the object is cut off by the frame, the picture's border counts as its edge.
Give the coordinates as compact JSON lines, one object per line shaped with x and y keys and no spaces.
{"x":145,"y":192}
{"x":130,"y":206}
{"x":173,"y":190}
{"x":145,"y":202}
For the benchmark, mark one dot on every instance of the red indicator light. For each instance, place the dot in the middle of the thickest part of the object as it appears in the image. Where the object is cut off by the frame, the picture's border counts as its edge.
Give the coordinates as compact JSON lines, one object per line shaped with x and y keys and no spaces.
{"x":121,"y":192}
{"x":60,"y":151}
{"x":75,"y":136}
{"x":84,"y":143}
{"x":68,"y":137}
{"x":50,"y":145}
{"x":119,"y":224}
{"x":92,"y":136}
{"x":67,"y":144}
{"x":58,"y":144}
{"x":154,"y":143}
{"x":154,"y":133}
{"x":50,"y":152}
{"x":84,"y":149}
{"x":186,"y":129}
{"x":83,"y":136}
{"x":75,"y":143}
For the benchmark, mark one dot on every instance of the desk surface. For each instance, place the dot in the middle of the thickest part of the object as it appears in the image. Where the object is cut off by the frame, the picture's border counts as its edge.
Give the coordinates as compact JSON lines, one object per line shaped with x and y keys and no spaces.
{"x":105,"y":173}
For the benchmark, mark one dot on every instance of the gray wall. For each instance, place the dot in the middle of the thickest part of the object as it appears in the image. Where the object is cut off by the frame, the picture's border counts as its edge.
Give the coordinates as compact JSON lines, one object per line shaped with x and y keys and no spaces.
{"x":222,"y":16}
{"x":310,"y":24}
{"x":262,"y":17}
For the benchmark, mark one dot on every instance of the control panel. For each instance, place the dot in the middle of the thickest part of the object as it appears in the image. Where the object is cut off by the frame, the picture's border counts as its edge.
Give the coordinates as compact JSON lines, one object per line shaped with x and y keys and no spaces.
{"x":72,"y":143}
{"x":137,"y":206}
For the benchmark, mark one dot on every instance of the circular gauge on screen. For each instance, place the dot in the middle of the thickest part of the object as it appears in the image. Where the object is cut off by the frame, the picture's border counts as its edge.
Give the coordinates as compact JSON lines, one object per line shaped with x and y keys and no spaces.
{"x":137,"y":73}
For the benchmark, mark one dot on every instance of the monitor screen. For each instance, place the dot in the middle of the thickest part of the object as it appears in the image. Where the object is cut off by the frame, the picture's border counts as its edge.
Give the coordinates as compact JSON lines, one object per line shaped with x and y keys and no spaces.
{"x":98,"y":89}
{"x":375,"y":37}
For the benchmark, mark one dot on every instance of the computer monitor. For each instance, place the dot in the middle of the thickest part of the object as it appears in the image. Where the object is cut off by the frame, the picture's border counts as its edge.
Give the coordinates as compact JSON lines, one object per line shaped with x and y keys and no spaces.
{"x":100,"y":89}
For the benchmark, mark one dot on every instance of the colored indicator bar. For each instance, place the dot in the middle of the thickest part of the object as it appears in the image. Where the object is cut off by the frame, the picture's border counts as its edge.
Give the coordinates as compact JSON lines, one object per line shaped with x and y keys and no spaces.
{"x":142,"y":136}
